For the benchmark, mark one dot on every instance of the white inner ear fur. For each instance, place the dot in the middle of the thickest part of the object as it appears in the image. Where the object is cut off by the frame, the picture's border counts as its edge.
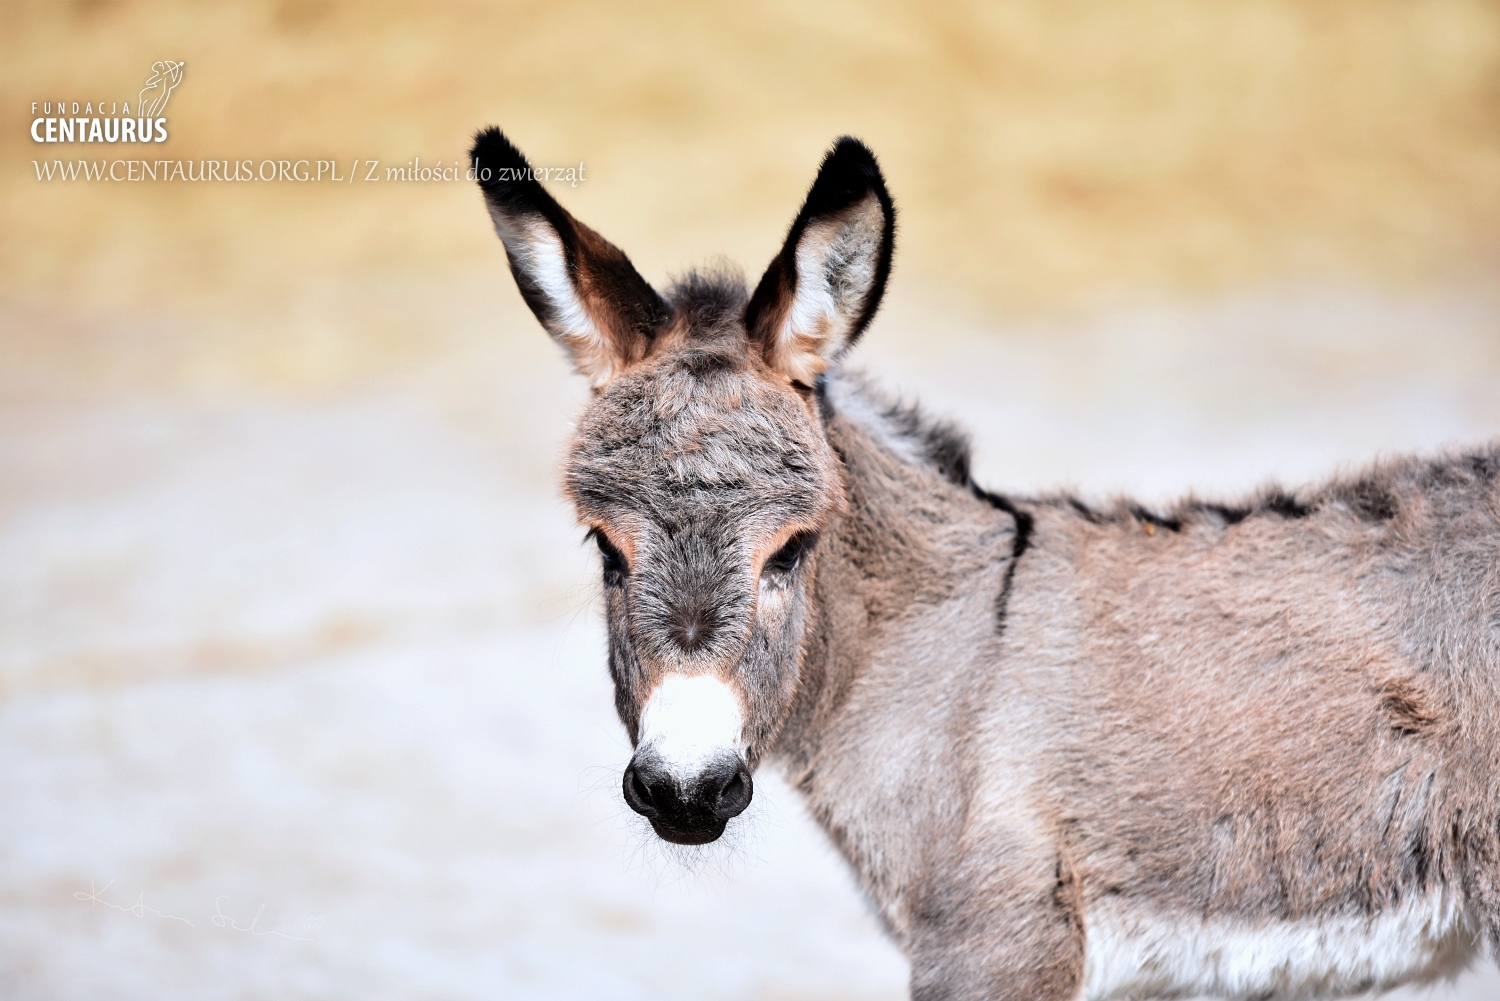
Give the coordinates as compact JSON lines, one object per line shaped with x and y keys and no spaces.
{"x":538,"y":252}
{"x":689,"y":722}
{"x":836,"y":262}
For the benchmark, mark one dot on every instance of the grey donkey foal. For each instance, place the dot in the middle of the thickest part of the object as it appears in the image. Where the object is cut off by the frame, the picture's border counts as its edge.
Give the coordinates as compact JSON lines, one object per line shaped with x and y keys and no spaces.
{"x":1244,"y":749}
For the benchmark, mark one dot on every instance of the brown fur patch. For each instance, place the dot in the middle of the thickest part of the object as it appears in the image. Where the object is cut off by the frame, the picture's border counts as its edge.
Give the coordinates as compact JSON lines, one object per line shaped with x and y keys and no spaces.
{"x":1407,"y":707}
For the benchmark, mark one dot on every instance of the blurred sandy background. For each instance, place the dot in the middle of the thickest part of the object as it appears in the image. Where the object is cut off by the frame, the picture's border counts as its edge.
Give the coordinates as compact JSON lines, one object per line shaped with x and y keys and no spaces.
{"x":290,"y":615}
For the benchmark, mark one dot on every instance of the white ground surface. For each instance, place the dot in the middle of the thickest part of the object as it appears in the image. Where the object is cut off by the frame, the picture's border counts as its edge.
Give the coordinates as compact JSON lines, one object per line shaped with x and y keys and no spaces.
{"x":306,"y":698}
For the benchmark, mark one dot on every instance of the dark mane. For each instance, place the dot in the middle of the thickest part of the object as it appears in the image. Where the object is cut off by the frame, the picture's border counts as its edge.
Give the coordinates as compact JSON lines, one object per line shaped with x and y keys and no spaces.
{"x":939,"y":444}
{"x":1375,"y":495}
{"x":1378,"y":494}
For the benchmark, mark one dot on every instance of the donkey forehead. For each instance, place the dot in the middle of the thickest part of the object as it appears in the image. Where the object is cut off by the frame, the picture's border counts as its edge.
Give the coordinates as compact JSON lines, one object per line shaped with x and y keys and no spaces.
{"x":700,"y":436}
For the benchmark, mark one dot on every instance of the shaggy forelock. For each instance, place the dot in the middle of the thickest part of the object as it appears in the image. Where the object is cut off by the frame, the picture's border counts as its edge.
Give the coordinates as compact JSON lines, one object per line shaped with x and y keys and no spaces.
{"x":700,"y":431}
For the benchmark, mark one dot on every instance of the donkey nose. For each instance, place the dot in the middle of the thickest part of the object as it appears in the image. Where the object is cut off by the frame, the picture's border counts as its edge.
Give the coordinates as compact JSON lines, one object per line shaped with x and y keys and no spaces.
{"x":691,"y":811}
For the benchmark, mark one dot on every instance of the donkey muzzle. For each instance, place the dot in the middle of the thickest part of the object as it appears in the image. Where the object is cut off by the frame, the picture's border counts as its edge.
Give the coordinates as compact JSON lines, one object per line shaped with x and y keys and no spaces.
{"x":688,"y":810}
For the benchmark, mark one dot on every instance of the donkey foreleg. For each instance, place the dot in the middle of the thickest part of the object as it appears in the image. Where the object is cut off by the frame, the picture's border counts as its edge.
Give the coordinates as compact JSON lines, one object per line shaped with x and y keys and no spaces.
{"x":1027,"y":947}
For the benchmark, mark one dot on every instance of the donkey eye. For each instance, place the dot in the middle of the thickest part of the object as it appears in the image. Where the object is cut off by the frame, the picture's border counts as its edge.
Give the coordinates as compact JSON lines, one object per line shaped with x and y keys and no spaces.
{"x":615,"y":567}
{"x":787,"y":558}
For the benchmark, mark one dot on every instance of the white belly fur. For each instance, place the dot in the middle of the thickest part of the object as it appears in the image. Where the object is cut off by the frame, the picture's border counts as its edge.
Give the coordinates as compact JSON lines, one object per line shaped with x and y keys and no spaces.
{"x":1133,"y":953}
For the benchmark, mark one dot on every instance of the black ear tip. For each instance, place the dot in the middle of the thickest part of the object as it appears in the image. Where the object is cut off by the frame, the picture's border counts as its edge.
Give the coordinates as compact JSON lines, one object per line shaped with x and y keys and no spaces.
{"x":851,"y":149}
{"x":849,"y":172}
{"x":493,"y":152}
{"x":852,"y":157}
{"x":490,"y":143}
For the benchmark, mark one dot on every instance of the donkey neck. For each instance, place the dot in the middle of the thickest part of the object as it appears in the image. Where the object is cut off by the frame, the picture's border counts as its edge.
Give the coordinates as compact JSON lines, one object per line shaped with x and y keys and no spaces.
{"x":917,"y":545}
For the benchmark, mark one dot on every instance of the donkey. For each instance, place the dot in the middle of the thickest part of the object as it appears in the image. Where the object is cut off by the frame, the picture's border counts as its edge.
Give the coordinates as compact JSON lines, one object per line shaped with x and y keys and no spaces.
{"x":1243,"y":749}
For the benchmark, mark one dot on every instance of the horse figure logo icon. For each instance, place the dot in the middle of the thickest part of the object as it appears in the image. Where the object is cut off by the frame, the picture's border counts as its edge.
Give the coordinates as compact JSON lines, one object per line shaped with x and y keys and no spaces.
{"x":164,"y":78}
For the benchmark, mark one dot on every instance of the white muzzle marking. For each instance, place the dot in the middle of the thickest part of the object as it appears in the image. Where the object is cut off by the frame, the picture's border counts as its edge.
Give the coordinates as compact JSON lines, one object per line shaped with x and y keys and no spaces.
{"x":689,"y":722}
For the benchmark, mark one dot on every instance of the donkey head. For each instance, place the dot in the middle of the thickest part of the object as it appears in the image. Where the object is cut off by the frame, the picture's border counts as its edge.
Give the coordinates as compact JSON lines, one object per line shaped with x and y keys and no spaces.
{"x":700,"y":467}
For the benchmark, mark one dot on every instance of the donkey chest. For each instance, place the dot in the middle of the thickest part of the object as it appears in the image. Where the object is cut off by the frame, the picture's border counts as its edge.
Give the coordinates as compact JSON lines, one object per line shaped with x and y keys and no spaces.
{"x":1131,"y":952}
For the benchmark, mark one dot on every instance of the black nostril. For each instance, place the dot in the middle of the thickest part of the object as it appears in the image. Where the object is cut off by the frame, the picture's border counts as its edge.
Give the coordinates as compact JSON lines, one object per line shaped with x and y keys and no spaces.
{"x":735,"y":794}
{"x":638,"y":794}
{"x":639,"y":788}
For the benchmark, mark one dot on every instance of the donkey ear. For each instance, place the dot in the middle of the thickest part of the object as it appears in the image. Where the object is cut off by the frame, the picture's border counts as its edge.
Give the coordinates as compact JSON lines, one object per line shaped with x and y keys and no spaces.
{"x":582,"y":288}
{"x":824,"y":287}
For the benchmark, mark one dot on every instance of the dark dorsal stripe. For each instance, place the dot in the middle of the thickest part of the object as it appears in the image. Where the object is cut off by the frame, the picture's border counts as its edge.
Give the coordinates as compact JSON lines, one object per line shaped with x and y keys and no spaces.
{"x":1019,"y":543}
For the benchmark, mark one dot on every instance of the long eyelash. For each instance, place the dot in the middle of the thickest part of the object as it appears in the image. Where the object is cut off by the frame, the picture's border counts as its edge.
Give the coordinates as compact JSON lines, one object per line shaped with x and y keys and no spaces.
{"x":790,"y":555}
{"x":616,"y":567}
